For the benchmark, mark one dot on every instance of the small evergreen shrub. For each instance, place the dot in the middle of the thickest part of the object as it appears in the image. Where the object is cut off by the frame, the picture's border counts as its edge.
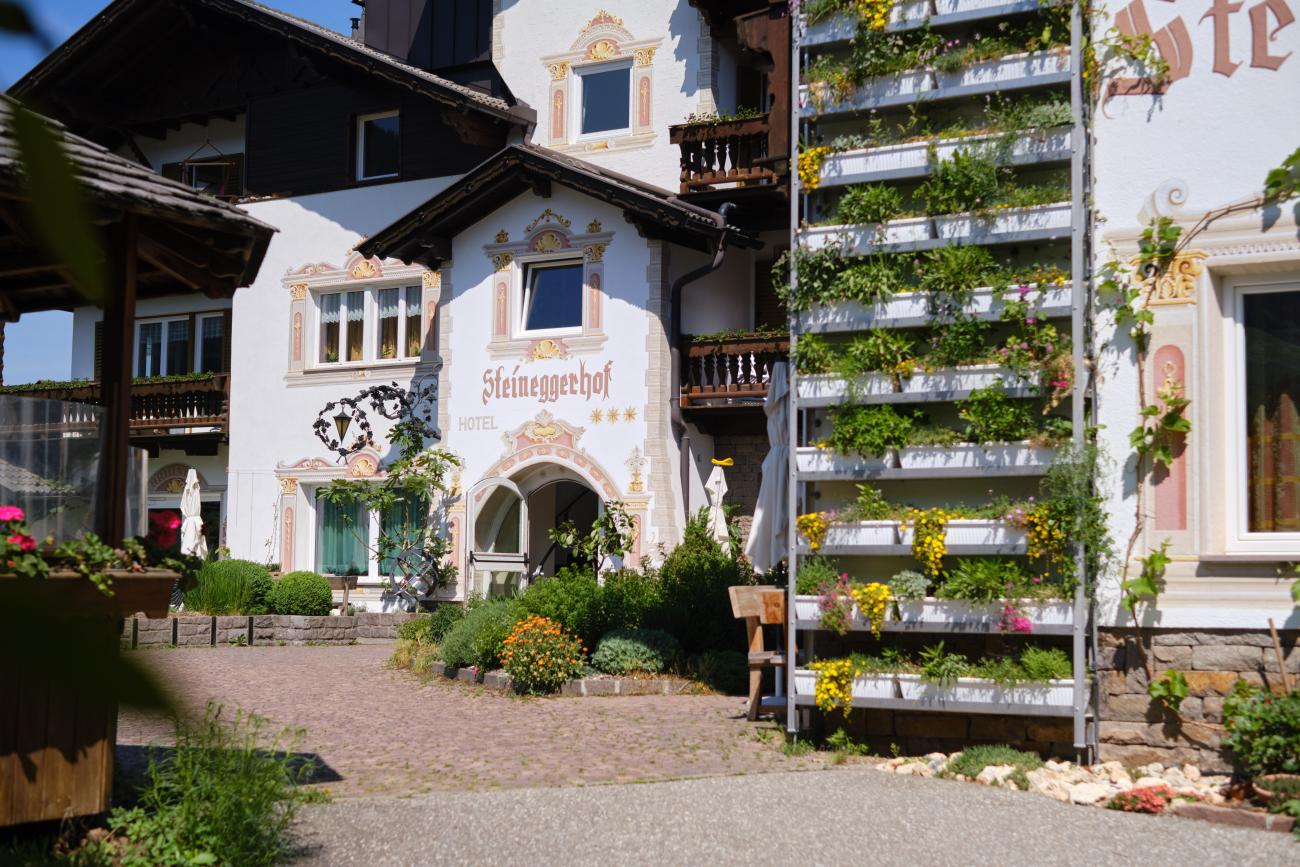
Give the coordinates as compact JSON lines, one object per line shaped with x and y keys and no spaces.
{"x":539,"y":655}
{"x":443,"y":618}
{"x":302,"y":593}
{"x":696,"y":605}
{"x":260,"y":585}
{"x":726,"y":671}
{"x":415,"y":630}
{"x":476,"y":639}
{"x":1263,"y":730}
{"x":636,"y":651}
{"x":571,"y":598}
{"x":229,"y":587}
{"x":628,"y":598}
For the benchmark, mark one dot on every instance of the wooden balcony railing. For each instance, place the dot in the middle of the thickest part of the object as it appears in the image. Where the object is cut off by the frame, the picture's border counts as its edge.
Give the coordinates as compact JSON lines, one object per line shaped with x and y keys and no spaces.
{"x":732,"y":153}
{"x":200,"y":405}
{"x":732,"y":372}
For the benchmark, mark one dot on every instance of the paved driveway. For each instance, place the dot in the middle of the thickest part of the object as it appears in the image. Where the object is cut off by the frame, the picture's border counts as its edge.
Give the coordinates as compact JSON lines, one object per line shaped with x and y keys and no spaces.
{"x":387,"y":732}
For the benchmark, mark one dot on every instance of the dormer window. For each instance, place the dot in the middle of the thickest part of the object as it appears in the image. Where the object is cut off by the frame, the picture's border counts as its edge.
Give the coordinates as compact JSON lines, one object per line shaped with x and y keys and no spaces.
{"x":605,"y":98}
{"x":378,"y":145}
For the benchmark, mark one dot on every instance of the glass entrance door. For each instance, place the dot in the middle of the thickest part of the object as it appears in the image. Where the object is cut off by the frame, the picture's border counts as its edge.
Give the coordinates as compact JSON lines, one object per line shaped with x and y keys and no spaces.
{"x":498,"y":518}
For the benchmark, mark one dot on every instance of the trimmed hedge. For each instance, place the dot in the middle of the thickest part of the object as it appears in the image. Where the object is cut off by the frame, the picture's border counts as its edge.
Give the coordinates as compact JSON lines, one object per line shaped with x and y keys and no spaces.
{"x":636,"y":651}
{"x":302,"y":593}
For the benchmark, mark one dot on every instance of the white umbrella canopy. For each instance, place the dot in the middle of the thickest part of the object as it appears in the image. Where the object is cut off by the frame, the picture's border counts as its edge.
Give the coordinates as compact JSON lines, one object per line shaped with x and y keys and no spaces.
{"x":767,"y":535}
{"x":716,"y":489}
{"x":192,"y":540}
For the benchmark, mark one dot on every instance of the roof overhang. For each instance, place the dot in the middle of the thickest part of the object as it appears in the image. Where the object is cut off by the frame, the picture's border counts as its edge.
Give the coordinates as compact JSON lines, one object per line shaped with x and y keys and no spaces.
{"x":425,"y":234}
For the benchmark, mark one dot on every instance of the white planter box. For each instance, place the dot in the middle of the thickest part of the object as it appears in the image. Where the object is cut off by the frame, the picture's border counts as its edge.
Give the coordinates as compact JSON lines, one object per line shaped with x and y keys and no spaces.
{"x":936,"y":386}
{"x":912,"y":310}
{"x":913,"y":160}
{"x":973,"y":691}
{"x":1005,"y":73}
{"x":959,"y":616}
{"x":886,"y":538}
{"x":912,"y":13}
{"x":866,"y":686}
{"x":805,"y":608}
{"x":916,"y":233}
{"x":975,"y":460}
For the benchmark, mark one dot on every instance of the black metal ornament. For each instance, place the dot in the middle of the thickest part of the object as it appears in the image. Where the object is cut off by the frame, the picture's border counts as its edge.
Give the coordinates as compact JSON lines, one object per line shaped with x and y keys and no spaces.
{"x":417,"y":405}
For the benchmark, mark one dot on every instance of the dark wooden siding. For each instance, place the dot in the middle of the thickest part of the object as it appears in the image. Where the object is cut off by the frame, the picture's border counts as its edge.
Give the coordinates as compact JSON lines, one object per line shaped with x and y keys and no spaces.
{"x":431,"y":34}
{"x":303,"y":142}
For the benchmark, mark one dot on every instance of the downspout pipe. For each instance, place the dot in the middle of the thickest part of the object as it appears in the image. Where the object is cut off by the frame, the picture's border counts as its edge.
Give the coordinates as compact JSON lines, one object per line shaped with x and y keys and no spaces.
{"x":675,"y":344}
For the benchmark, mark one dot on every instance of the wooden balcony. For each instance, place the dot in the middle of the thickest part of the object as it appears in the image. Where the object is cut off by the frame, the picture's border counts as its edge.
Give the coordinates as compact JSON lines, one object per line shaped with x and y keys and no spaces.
{"x":189,"y":414}
{"x":727,"y":154}
{"x":730,"y":373}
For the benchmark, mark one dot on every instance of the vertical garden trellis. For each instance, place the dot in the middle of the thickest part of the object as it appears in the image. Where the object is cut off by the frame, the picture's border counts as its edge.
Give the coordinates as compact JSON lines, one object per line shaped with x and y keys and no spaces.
{"x":844,"y":101}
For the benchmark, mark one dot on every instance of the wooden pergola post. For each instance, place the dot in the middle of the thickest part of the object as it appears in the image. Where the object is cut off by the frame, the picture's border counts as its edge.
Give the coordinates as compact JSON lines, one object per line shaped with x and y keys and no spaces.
{"x":115,"y":380}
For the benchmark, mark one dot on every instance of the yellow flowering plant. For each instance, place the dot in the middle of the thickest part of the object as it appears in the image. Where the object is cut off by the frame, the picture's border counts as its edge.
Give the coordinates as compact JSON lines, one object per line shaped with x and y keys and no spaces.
{"x":810,"y":166}
{"x":873,"y":602}
{"x":874,"y":13}
{"x":929,"y":543}
{"x":813,"y":527}
{"x":834,"y":689}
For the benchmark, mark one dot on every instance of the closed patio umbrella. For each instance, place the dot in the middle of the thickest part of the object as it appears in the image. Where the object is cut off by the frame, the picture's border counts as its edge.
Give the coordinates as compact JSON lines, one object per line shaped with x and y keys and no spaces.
{"x":192,"y":540}
{"x":767,"y":535}
{"x":716,"y":489}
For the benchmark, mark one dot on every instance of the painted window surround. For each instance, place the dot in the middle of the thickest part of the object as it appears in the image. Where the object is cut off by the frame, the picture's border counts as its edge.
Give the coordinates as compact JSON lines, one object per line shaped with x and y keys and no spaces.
{"x":1229,"y":393}
{"x":547,"y":239}
{"x":602,"y":42}
{"x":306,"y":283}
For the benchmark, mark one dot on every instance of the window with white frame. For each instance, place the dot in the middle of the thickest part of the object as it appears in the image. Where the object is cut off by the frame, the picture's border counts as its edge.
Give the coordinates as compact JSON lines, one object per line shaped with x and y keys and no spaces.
{"x":379,"y":151}
{"x":391,"y":314}
{"x":552,"y":297}
{"x":604,"y":98}
{"x":181,"y":344}
{"x":1269,"y":376}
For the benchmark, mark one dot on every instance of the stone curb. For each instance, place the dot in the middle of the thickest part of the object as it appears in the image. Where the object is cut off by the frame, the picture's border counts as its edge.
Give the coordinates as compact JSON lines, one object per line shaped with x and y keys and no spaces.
{"x":211,"y":631}
{"x":1231,"y":816}
{"x":587,"y":686}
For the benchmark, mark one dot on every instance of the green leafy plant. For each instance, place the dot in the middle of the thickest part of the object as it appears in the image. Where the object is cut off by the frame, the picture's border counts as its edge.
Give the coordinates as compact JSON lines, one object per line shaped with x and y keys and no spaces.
{"x":871,"y":504}
{"x":883,"y":350}
{"x":302,"y":593}
{"x":813,"y":355}
{"x":1283,"y":182}
{"x":726,"y":671}
{"x":227,"y":794}
{"x":966,"y":181}
{"x":1169,"y":689}
{"x":867,"y":430}
{"x":636,"y":651}
{"x":696,"y":605}
{"x":941,"y":667}
{"x":869,"y":203}
{"x":571,"y":598}
{"x":983,"y":579}
{"x":815,"y":571}
{"x":611,"y":535}
{"x":873,"y":280}
{"x":1162,"y":427}
{"x":993,"y":417}
{"x":949,"y":273}
{"x":1041,"y":664}
{"x":960,"y":342}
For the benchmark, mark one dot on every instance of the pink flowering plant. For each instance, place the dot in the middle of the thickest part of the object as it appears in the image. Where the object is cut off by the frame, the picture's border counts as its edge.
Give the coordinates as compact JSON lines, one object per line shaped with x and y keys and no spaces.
{"x":23,"y":556}
{"x":835,"y":602}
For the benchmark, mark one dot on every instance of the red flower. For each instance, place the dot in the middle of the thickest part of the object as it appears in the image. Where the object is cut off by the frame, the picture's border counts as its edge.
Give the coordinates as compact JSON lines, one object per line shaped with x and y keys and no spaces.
{"x":25,"y":543}
{"x":11,"y":513}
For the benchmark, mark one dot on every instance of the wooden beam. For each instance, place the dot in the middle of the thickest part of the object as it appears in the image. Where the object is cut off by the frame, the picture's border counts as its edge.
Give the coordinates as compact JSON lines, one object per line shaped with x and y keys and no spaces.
{"x":115,"y":379}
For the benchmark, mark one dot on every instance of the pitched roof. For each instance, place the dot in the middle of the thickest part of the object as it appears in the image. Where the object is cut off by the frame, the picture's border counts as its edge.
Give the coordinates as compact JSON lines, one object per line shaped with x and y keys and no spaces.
{"x":424,"y":234}
{"x":229,"y":242}
{"x":310,"y":34}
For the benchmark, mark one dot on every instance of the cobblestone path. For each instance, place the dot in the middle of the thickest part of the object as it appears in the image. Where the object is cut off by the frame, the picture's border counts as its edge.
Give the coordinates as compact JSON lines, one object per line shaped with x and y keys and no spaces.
{"x":388,"y":732}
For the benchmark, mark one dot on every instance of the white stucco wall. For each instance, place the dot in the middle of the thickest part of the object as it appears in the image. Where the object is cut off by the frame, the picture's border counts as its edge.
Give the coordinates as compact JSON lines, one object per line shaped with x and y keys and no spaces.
{"x":533,"y":31}
{"x":270,"y":417}
{"x":1207,"y":142}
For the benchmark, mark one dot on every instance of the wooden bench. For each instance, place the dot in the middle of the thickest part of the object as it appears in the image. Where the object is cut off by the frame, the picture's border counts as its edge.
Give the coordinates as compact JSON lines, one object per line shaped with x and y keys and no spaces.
{"x":346,"y":583}
{"x":759,"y":606}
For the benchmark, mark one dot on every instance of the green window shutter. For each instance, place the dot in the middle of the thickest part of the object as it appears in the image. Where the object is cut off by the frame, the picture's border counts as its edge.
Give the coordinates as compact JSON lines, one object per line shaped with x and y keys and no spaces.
{"x":99,"y":348}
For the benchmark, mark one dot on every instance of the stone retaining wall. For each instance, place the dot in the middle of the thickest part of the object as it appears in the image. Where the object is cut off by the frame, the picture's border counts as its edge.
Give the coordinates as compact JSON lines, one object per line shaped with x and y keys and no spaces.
{"x":1136,"y":729}
{"x":580,"y":687}
{"x":205,"y":631}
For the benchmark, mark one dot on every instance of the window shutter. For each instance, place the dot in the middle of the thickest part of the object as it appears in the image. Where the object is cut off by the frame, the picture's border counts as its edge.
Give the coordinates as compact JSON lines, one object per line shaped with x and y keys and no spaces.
{"x":225,"y":341}
{"x":99,"y":348}
{"x":235,"y":182}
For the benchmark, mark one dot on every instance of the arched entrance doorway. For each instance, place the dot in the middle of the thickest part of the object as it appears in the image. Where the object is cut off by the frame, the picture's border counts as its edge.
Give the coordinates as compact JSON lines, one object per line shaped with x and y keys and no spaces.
{"x":510,"y":520}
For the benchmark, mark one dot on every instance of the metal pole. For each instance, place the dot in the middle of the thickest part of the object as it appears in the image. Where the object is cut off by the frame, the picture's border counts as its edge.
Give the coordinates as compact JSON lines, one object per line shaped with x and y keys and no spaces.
{"x":1078,"y":309}
{"x":792,"y":492}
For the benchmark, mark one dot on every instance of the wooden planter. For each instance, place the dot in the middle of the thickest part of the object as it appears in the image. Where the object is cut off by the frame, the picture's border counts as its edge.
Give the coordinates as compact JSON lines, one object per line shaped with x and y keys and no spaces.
{"x":57,"y":739}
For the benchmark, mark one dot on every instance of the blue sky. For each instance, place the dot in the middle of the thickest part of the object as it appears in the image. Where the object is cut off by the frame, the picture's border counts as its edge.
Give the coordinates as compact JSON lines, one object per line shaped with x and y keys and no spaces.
{"x":39,"y":346}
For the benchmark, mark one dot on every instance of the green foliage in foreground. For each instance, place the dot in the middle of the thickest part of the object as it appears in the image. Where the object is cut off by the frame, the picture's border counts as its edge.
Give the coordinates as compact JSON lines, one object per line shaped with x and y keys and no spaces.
{"x":975,"y":759}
